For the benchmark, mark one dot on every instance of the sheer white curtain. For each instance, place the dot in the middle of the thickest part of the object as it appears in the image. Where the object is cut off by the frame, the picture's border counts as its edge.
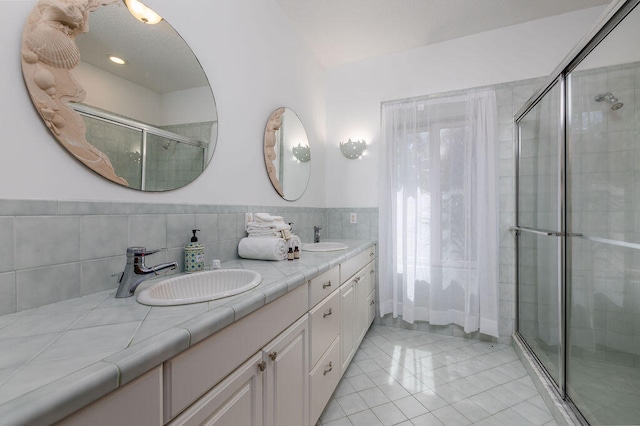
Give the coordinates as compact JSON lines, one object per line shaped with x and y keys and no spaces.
{"x":439,"y":211}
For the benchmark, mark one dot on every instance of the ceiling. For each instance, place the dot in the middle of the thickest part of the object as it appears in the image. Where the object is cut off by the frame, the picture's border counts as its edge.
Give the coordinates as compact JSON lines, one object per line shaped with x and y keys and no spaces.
{"x":342,"y":31}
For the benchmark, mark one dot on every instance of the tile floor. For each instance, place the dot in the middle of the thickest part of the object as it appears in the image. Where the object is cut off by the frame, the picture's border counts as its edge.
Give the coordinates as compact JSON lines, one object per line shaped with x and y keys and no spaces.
{"x":404,"y":377}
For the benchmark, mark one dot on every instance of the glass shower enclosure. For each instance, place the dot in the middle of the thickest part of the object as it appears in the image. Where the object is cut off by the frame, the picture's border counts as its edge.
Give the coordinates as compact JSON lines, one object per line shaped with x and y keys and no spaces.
{"x":578,"y":223}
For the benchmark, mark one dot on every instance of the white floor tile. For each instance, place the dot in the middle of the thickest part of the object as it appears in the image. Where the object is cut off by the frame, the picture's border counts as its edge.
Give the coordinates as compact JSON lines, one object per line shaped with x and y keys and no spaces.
{"x":389,"y":414}
{"x":374,"y":397}
{"x":364,"y":418}
{"x":404,"y":377}
{"x":410,"y":407}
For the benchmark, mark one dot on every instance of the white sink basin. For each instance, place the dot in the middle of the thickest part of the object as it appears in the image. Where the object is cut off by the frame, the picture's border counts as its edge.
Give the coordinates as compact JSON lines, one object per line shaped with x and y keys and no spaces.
{"x":199,"y":287}
{"x":326,"y":246}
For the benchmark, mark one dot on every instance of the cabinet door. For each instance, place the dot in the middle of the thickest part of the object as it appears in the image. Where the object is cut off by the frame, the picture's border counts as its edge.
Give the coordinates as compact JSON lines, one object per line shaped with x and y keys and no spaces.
{"x":347,"y":322}
{"x":286,"y":377}
{"x":364,"y":287}
{"x":235,"y":401}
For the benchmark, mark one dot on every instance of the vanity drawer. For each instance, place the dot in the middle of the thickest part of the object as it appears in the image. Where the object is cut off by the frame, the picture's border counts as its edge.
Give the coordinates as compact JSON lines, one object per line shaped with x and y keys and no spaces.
{"x":325,"y":325}
{"x":353,"y":265}
{"x":323,"y":285}
{"x":323,"y":379}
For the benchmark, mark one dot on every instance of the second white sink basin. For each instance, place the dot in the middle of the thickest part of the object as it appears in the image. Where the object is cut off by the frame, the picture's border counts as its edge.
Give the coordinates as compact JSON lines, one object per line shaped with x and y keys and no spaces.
{"x":199,"y":287}
{"x":326,"y":246}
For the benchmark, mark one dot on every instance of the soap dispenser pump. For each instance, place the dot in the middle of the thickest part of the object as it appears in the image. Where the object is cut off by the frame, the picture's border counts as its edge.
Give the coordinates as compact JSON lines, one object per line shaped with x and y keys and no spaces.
{"x":194,"y":255}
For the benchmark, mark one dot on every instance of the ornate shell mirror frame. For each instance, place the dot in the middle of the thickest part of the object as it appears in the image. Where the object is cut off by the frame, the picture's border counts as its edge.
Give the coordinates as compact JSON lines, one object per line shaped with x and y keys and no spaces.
{"x":125,"y":96}
{"x":287,"y":154}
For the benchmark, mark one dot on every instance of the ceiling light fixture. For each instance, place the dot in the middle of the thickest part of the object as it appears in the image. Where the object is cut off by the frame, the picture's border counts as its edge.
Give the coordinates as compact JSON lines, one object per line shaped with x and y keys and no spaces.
{"x":142,"y":13}
{"x":116,"y":60}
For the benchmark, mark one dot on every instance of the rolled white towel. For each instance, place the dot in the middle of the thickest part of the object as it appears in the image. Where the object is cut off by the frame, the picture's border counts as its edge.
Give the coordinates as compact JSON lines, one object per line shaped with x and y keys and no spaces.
{"x":267,"y":225}
{"x":266,"y":217}
{"x":295,"y":241}
{"x":268,"y":233}
{"x":263,"y":248}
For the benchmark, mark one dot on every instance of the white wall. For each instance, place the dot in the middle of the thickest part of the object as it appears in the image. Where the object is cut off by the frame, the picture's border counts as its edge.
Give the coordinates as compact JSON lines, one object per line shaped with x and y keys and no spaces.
{"x":187,"y":106}
{"x":255,"y":63}
{"x":110,"y":92}
{"x":355,"y":91}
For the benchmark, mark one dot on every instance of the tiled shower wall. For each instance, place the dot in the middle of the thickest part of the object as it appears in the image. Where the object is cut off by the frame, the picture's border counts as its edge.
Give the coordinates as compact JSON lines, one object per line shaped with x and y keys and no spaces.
{"x":605,"y":279}
{"x":57,"y":250}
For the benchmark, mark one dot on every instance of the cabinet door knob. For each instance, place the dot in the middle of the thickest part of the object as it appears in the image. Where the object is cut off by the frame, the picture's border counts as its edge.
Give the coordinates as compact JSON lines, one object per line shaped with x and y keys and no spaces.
{"x":327,"y":284}
{"x":357,"y":279}
{"x":262,"y":366}
{"x":373,"y":302}
{"x":326,"y":314}
{"x":372,"y":272}
{"x":372,"y":254}
{"x":330,"y":367}
{"x":273,"y":355}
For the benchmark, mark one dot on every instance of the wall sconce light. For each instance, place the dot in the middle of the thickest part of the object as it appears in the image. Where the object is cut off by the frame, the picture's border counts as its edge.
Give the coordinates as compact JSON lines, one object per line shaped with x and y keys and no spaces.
{"x":302,"y":153}
{"x":142,"y":13}
{"x":353,"y":149}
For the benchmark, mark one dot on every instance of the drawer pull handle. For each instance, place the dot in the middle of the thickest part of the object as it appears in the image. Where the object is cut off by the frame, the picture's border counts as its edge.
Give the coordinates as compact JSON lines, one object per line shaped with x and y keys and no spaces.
{"x":329,"y":369}
{"x":262,"y":366}
{"x":273,"y":355}
{"x":357,"y":279}
{"x":327,"y":284}
{"x":326,"y":314}
{"x":373,"y":302}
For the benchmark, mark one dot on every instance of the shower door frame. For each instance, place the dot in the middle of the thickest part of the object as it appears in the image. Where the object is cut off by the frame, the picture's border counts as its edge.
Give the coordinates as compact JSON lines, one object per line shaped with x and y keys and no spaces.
{"x":610,"y":18}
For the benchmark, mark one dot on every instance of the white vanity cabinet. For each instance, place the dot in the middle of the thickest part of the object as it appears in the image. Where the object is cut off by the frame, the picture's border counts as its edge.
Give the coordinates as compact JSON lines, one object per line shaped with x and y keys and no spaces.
{"x":269,"y":389}
{"x":192,"y":373}
{"x":357,"y":302}
{"x":277,"y":366}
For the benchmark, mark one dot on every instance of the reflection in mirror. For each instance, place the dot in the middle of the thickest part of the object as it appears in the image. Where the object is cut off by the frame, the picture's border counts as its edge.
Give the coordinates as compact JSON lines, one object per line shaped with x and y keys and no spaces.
{"x":287,"y":154}
{"x":149,"y":123}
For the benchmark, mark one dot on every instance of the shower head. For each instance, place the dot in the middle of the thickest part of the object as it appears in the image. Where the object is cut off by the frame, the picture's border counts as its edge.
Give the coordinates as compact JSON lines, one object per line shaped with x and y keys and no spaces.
{"x":613,"y":101}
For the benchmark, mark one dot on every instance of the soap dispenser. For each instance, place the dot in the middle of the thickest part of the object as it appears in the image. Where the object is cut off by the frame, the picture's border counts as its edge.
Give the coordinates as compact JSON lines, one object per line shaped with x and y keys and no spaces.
{"x":194,"y":255}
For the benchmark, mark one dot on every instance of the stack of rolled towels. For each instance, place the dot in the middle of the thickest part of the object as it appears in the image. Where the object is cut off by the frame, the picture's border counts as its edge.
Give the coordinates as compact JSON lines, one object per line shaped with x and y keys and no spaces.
{"x":269,"y":238}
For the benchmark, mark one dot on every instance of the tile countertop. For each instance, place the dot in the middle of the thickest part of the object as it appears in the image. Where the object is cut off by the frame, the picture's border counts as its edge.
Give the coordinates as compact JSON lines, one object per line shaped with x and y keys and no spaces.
{"x":57,"y":358}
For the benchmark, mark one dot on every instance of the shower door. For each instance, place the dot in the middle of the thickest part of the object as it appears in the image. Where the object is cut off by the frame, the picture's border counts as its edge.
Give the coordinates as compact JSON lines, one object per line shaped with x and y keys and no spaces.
{"x":603,"y":260}
{"x":578,"y":223}
{"x":540,"y":224}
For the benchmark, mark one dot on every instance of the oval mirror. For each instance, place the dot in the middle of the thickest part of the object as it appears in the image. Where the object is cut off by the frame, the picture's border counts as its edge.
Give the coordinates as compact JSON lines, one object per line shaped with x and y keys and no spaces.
{"x":127,"y":99}
{"x":287,"y":154}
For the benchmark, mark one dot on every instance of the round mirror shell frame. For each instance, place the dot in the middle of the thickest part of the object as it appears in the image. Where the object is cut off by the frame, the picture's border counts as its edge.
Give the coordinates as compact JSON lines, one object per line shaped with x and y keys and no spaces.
{"x":49,"y":52}
{"x":287,"y":155}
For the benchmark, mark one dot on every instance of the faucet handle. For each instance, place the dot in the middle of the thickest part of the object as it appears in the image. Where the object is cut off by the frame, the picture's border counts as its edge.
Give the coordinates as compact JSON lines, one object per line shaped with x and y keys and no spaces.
{"x":141,"y":251}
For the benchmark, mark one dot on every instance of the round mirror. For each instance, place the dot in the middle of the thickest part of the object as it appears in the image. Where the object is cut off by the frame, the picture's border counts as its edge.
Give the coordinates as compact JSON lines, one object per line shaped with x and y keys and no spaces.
{"x":287,"y":154}
{"x":126,"y":98}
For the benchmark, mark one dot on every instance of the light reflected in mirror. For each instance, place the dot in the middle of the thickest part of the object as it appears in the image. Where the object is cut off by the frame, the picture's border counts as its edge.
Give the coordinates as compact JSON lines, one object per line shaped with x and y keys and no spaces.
{"x":148,"y":124}
{"x":287,"y":154}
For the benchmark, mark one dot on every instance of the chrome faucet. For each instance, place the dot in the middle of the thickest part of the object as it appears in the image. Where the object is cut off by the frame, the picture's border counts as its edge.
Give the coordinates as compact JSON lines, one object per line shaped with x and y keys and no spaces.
{"x":316,"y":234}
{"x":135,"y":271}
